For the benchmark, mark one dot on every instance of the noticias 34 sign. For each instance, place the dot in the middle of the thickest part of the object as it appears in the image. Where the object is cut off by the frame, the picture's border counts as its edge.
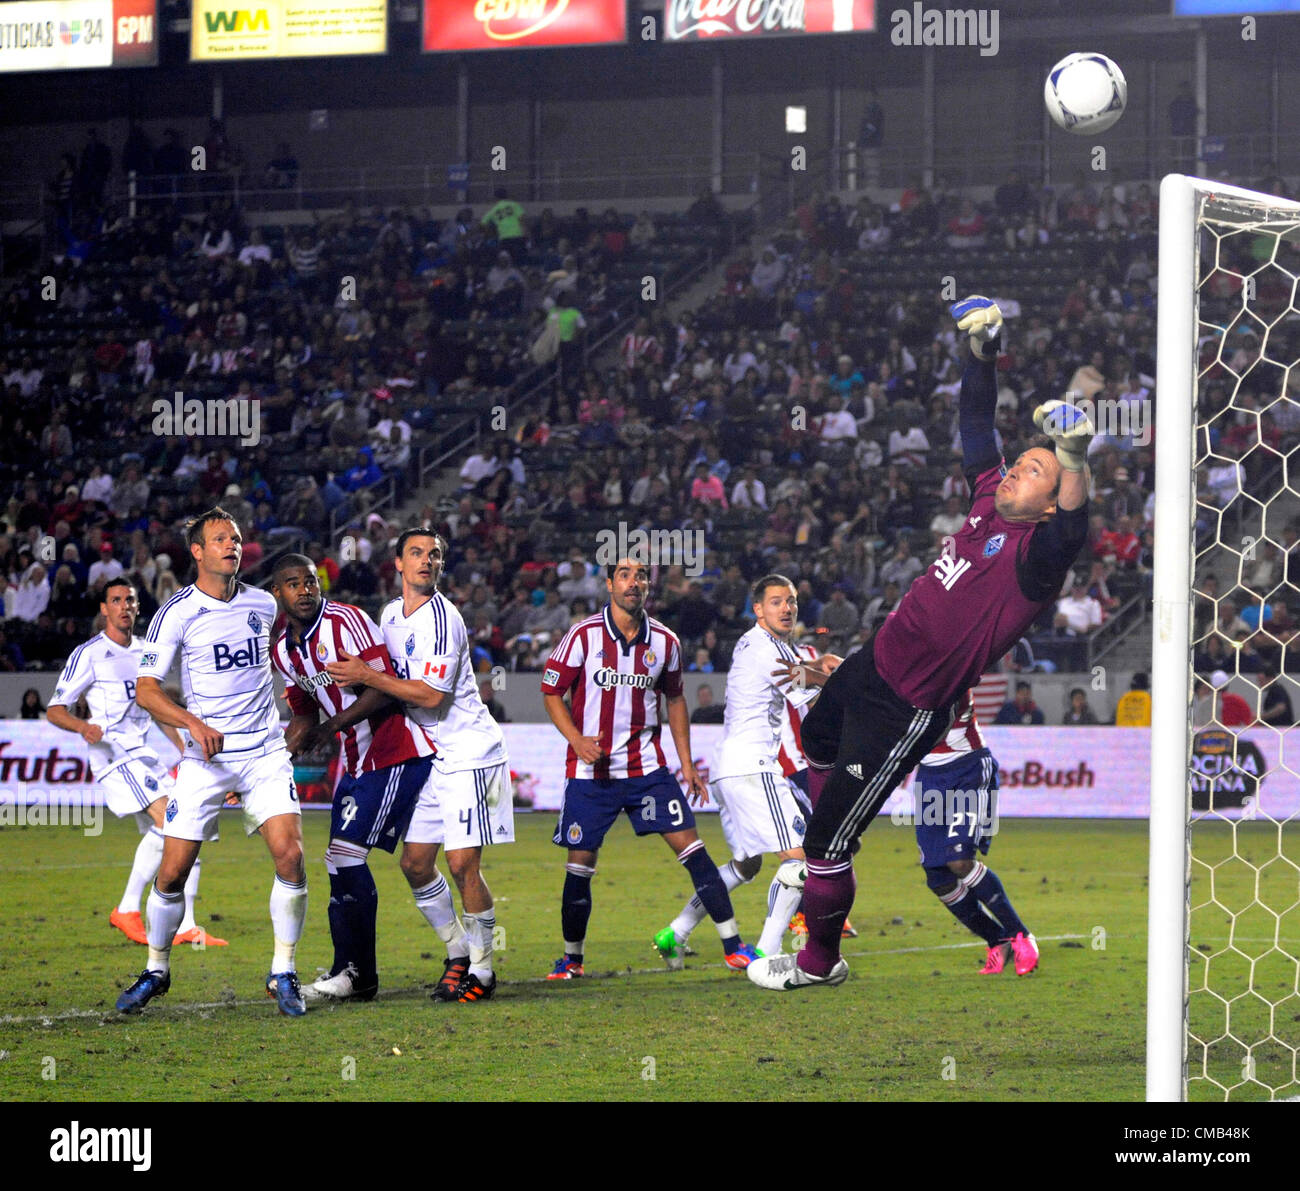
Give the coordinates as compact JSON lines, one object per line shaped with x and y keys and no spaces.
{"x":521,"y":24}
{"x":75,"y":34}
{"x":690,"y":20}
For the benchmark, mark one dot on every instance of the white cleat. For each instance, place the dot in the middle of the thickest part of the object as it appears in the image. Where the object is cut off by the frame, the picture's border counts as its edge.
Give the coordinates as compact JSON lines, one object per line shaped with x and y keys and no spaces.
{"x":341,"y":987}
{"x":783,"y":973}
{"x":792,"y":873}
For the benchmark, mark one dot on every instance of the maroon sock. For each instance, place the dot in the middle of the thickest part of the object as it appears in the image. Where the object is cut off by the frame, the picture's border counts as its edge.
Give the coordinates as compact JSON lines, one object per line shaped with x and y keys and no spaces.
{"x":827,"y":898}
{"x":816,"y":783}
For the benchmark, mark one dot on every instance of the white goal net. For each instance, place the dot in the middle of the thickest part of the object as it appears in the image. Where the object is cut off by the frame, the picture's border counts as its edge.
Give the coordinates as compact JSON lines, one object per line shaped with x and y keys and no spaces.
{"x":1223,"y":1016}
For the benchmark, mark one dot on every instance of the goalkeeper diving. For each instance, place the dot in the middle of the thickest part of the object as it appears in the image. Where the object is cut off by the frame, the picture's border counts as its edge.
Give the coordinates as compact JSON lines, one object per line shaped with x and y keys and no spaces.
{"x":887,"y":706}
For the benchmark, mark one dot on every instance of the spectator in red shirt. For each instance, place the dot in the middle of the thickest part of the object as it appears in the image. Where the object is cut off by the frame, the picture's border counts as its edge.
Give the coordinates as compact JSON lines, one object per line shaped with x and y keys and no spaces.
{"x":1233,"y":711}
{"x":706,"y":488}
{"x":1121,"y":542}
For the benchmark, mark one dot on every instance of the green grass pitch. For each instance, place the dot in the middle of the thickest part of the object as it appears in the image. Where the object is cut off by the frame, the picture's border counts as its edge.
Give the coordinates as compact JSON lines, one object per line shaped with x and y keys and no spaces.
{"x":914,"y":1021}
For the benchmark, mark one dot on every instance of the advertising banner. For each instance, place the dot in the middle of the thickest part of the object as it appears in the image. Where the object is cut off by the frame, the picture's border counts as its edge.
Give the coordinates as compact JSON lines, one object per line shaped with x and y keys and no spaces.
{"x":221,"y":30}
{"x":78,"y":34}
{"x":521,"y":24}
{"x":691,"y":20}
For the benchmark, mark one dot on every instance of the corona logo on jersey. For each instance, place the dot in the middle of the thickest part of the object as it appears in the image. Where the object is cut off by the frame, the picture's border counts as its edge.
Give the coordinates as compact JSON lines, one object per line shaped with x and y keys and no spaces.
{"x":606,"y":678}
{"x":503,"y":24}
{"x":247,"y":658}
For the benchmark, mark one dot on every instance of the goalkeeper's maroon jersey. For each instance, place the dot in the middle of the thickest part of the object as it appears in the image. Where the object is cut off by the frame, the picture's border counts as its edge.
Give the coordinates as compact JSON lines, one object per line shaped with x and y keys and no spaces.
{"x":965,"y":611}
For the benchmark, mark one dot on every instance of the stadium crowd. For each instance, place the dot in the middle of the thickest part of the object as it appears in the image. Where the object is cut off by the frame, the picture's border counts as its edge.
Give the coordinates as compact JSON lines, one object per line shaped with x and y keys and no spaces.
{"x":801,"y":419}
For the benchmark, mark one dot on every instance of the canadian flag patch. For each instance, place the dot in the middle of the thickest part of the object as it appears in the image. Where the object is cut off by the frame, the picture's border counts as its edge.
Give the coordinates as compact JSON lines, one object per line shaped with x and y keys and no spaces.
{"x":435,"y":669}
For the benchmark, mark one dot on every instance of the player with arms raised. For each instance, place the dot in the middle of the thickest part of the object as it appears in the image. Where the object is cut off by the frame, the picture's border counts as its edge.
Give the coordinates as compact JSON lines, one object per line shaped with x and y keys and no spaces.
{"x":386,"y":759}
{"x":126,"y":766}
{"x":759,"y":810}
{"x":890,"y":703}
{"x":614,"y":665}
{"x":466,"y":804}
{"x":221,"y":628}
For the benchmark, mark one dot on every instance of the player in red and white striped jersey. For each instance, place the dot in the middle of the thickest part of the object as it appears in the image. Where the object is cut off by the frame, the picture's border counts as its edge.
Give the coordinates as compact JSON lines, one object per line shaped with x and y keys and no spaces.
{"x":614,"y":666}
{"x":386,"y":758}
{"x":955,"y":817}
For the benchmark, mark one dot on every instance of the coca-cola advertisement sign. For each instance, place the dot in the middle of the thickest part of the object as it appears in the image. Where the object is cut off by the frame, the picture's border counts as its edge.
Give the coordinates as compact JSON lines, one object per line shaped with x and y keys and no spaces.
{"x":522,"y":24}
{"x":691,"y":20}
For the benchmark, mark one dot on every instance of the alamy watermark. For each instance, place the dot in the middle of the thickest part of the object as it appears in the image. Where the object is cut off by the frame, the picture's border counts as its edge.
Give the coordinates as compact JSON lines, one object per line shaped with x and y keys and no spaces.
{"x":952,"y":808}
{"x":920,"y":25}
{"x":36,"y":806}
{"x":228,"y":417}
{"x":653,"y":548}
{"x":1115,"y":418}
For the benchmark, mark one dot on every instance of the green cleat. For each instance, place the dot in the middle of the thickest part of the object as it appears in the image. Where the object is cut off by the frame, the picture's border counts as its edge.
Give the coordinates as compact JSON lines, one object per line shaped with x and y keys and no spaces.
{"x":670,"y":950}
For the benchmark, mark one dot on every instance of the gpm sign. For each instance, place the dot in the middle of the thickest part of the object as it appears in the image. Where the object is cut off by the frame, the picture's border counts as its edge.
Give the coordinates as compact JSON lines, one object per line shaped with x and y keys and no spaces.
{"x":135,"y":30}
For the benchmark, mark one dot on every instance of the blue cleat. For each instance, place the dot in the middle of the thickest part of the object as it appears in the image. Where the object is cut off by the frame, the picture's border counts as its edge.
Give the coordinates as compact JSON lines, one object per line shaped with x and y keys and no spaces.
{"x":147,"y":986}
{"x":286,"y":990}
{"x":742,"y":957}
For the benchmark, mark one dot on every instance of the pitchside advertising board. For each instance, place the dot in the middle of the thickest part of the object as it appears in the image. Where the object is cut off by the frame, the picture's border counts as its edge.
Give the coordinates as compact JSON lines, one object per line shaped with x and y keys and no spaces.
{"x":77,"y":34}
{"x":235,"y":30}
{"x":692,"y":20}
{"x":521,"y":24}
{"x":1088,"y":773}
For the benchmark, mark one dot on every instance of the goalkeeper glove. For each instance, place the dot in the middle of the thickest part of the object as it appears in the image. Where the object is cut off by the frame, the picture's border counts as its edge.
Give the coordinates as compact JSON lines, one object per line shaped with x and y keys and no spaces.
{"x":982,"y":318}
{"x":1069,"y":428}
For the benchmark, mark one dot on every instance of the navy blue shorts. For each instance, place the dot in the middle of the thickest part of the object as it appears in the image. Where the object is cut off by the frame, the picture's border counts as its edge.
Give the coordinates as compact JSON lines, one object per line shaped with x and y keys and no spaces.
{"x":654,"y":804}
{"x":373,"y":810}
{"x":799,"y":788}
{"x":955,"y":808}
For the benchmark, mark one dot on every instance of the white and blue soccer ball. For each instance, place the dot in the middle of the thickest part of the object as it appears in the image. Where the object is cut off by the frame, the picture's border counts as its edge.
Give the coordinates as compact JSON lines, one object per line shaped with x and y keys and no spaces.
{"x":1085,"y":93}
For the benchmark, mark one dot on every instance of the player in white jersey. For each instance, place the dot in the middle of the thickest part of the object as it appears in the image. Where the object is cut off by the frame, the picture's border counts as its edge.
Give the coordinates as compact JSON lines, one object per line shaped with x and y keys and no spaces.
{"x":127,"y":767}
{"x":466,"y":804}
{"x":955,"y":817}
{"x":385,"y":759}
{"x":758,"y":806}
{"x":220,"y":628}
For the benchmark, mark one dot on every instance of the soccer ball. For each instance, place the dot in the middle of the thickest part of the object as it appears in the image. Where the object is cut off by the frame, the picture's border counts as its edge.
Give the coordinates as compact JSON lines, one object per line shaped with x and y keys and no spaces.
{"x":1085,"y":93}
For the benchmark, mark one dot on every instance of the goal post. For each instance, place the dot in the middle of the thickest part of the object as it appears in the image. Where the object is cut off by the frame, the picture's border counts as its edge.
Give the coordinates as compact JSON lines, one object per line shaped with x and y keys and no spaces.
{"x":1218,"y":245}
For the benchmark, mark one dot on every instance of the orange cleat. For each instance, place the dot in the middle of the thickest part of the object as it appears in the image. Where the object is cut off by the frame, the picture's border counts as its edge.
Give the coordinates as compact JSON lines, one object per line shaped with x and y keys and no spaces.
{"x":199,"y":937}
{"x":131,"y":925}
{"x":847,"y":931}
{"x":798,"y":925}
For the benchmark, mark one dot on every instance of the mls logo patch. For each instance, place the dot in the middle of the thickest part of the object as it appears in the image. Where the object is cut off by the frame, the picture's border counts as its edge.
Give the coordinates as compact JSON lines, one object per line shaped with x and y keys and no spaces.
{"x":575,"y":833}
{"x":148,"y":659}
{"x":171,"y":810}
{"x":255,"y":622}
{"x":410,"y":645}
{"x":151,"y":783}
{"x":551,"y":678}
{"x":994,"y":544}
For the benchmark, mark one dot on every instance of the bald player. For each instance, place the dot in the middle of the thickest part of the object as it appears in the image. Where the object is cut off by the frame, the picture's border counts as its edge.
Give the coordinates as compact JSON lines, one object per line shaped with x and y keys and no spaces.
{"x":889,"y":704}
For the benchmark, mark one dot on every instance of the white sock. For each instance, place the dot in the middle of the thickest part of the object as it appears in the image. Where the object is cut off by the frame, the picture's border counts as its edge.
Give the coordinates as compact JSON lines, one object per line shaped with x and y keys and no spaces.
{"x":165,"y":911}
{"x":191,"y":892}
{"x":434,"y":902}
{"x":693,"y":912}
{"x":288,"y":911}
{"x":478,"y":929}
{"x":148,"y":856}
{"x":782,"y":905}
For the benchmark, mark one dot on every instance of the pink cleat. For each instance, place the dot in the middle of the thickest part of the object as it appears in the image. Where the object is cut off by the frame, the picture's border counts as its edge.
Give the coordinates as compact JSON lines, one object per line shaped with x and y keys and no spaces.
{"x":997,"y":958}
{"x":1025,"y":948}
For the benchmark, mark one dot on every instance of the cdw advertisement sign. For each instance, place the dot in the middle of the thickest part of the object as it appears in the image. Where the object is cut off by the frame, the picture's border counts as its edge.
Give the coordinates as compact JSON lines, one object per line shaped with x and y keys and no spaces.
{"x":519,"y":24}
{"x":689,"y":20}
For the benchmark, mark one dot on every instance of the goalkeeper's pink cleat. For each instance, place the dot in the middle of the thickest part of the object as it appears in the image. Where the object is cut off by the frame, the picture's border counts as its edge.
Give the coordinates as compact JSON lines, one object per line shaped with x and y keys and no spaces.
{"x":1025,"y":949}
{"x":997,"y":958}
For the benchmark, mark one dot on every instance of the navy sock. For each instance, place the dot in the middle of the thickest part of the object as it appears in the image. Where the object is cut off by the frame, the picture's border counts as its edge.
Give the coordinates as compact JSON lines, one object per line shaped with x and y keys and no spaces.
{"x":994,"y":898}
{"x":575,"y":907}
{"x":710,"y":889}
{"x":353,"y":891}
{"x":963,"y":905}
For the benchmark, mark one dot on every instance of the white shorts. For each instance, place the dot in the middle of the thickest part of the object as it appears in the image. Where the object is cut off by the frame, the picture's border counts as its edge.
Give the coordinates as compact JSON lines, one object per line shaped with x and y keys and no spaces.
{"x":265,"y":783}
{"x":759,"y":814}
{"x":133,"y":787}
{"x":469,"y":809}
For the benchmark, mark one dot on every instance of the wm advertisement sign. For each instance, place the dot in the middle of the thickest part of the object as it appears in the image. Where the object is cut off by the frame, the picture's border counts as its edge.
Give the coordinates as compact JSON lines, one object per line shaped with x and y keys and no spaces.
{"x":227,"y":29}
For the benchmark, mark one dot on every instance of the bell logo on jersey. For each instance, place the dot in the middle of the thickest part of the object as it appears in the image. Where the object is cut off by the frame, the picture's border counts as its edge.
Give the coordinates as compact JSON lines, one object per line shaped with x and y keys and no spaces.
{"x":247,"y":658}
{"x":435,"y":671}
